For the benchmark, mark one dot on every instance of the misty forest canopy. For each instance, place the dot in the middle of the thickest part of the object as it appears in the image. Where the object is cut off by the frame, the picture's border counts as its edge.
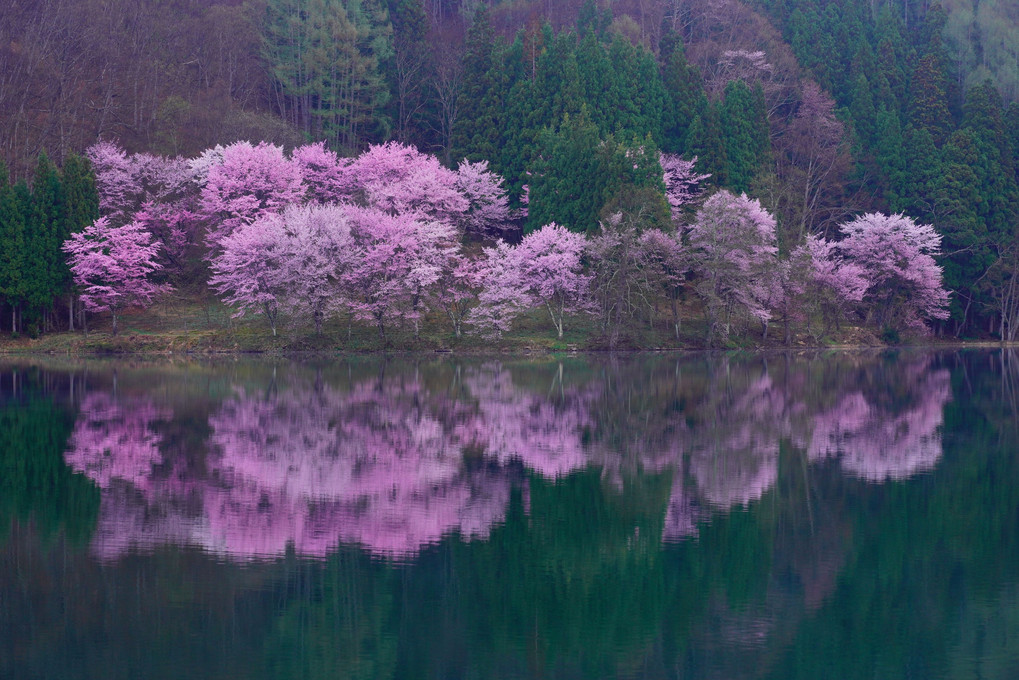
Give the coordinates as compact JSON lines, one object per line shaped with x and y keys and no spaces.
{"x":818,"y":112}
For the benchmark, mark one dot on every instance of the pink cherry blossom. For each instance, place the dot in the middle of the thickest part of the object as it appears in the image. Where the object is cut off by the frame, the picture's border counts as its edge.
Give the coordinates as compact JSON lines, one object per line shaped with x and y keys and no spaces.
{"x":112,"y":266}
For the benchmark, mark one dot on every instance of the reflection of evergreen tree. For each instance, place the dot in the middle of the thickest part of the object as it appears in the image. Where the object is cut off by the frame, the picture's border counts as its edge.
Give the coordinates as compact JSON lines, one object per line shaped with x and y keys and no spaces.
{"x":35,"y":484}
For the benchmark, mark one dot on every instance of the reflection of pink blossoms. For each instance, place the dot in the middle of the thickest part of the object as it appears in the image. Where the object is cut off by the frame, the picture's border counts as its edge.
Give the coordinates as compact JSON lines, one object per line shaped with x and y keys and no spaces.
{"x":114,"y":440}
{"x":314,"y":468}
{"x":545,"y":434}
{"x":876,"y":445}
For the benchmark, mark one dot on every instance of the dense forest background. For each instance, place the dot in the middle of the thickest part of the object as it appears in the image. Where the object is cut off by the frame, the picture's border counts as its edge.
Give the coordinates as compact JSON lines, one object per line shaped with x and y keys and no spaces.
{"x":820,"y":109}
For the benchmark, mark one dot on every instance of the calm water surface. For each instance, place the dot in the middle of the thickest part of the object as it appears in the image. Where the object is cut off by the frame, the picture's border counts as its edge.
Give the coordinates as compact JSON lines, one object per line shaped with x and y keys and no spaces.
{"x":780,"y":516}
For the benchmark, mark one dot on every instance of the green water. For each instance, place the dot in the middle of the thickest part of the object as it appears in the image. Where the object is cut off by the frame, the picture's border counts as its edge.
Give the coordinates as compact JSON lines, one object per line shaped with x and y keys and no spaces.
{"x":850,"y":515}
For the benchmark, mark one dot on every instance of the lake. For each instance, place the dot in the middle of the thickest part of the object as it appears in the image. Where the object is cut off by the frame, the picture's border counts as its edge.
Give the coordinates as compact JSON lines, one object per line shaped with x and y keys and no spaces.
{"x":782,"y":515}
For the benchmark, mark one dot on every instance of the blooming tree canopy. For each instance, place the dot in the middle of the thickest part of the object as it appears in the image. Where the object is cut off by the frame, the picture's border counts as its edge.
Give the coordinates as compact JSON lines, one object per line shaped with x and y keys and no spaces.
{"x":488,"y":205}
{"x":397,"y":258}
{"x":250,"y":181}
{"x":681,"y":181}
{"x":546,"y":269}
{"x":897,"y":255}
{"x":111,"y":266}
{"x":735,"y":247}
{"x":401,"y":180}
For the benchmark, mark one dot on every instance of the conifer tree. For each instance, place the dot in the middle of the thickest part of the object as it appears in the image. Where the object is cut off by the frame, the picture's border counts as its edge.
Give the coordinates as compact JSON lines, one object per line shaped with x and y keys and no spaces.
{"x":81,"y":210}
{"x":478,"y":114}
{"x":744,"y":125}
{"x":683,"y":90}
{"x":704,"y":140}
{"x":12,"y":244}
{"x":43,"y":229}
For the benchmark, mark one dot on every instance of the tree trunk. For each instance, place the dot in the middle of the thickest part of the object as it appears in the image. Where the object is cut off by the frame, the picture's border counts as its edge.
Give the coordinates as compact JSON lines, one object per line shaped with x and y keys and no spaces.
{"x":114,"y":323}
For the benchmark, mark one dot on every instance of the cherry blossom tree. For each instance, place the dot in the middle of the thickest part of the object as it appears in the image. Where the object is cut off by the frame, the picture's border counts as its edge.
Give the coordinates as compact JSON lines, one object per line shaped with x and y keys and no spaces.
{"x":158,"y":192}
{"x":292,"y":259}
{"x":488,"y":205}
{"x":127,"y":183}
{"x":545,"y":270}
{"x":897,"y":255}
{"x":317,"y":252}
{"x":735,"y":254}
{"x":111,"y":267}
{"x":401,"y":180}
{"x":398,"y":258}
{"x":116,"y":182}
{"x":323,"y":172}
{"x":249,"y":270}
{"x":823,"y":284}
{"x":621,"y":272}
{"x":503,"y":295}
{"x":457,"y":288}
{"x":667,"y":265}
{"x":550,"y":261}
{"x":248,"y":182}
{"x":681,"y":182}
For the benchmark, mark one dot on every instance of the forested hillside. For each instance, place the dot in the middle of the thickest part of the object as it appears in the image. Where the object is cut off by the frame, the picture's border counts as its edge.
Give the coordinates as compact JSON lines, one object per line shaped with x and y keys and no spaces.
{"x":820,"y":110}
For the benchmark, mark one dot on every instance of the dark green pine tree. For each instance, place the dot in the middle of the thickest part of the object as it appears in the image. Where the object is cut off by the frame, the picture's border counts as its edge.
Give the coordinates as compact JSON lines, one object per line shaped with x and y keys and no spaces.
{"x":891,"y":60}
{"x":519,"y":139}
{"x":44,"y":227}
{"x":744,"y":125}
{"x":480,"y":111}
{"x":578,"y":172}
{"x":983,"y":119}
{"x":557,"y":90}
{"x":1012,"y":131}
{"x":596,"y":81}
{"x":888,"y":153}
{"x":564,"y":183}
{"x":704,"y":140}
{"x":13,"y":208}
{"x":862,"y":111}
{"x":966,"y":244}
{"x":915,"y":190}
{"x":635,"y":94}
{"x":928,"y":102}
{"x":683,"y":88}
{"x":81,"y":209}
{"x":408,"y":69}
{"x":593,"y":21}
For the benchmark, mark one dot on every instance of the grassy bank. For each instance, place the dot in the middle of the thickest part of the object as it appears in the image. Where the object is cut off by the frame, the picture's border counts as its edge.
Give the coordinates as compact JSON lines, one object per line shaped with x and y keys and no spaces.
{"x":207,"y":327}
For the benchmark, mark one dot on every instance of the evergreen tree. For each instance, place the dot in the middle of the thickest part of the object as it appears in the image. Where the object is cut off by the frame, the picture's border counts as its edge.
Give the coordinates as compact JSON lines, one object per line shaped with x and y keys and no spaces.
{"x":81,"y":210}
{"x":44,"y":227}
{"x":862,"y":111}
{"x":888,"y":152}
{"x":480,"y":109}
{"x":744,"y":125}
{"x":12,"y":243}
{"x":928,"y":103}
{"x":408,"y":69}
{"x":704,"y":140}
{"x":578,"y":172}
{"x":323,"y":57}
{"x":683,"y":90}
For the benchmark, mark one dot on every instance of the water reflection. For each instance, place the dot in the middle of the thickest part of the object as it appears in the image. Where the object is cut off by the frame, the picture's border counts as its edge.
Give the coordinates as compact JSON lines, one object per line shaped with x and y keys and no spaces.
{"x":402,"y":454}
{"x":850,"y":516}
